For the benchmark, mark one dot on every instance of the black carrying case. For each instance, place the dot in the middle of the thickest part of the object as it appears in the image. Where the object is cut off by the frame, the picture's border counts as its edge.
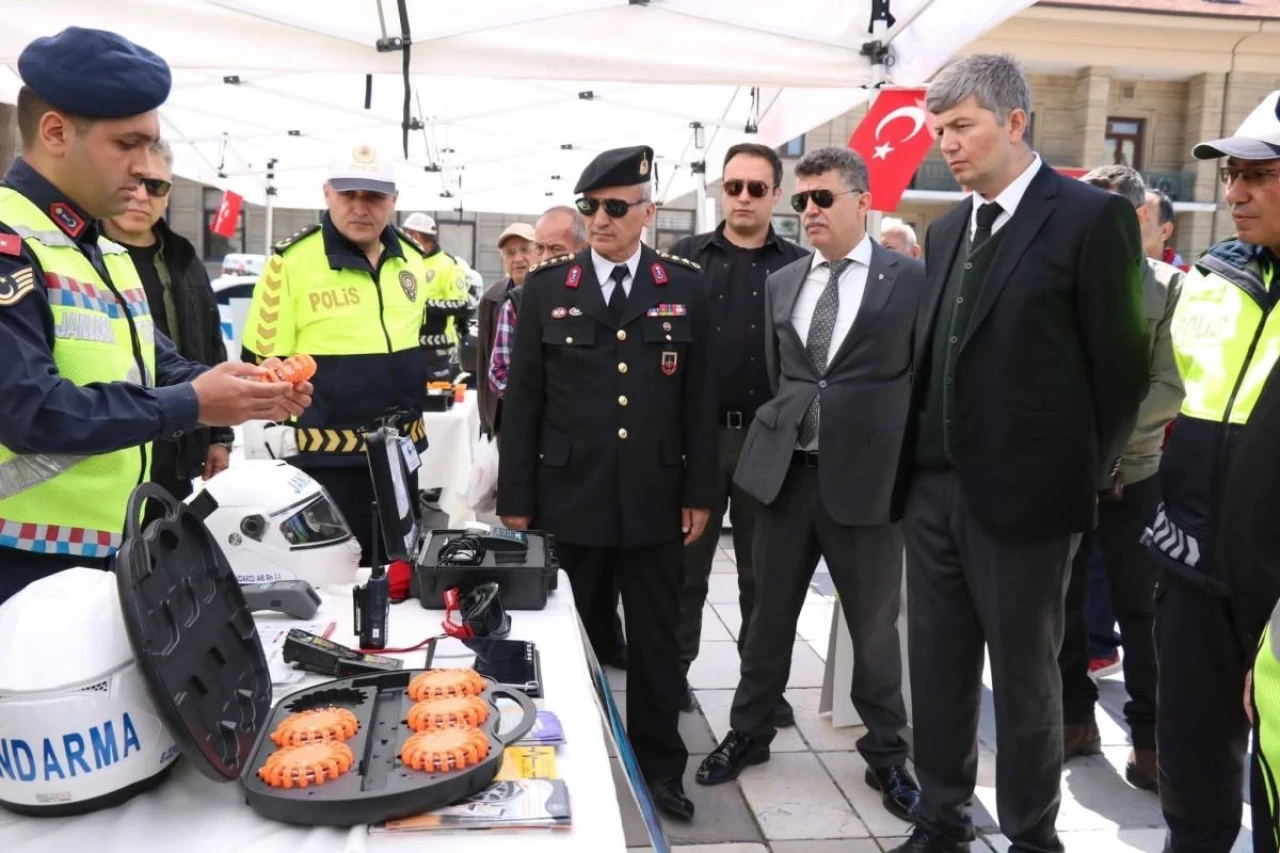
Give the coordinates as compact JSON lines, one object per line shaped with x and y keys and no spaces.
{"x":523,"y":585}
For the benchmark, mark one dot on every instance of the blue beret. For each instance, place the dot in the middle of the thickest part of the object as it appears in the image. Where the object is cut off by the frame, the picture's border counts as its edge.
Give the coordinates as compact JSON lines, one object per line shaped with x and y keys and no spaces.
{"x":617,"y":167}
{"x":95,"y":74}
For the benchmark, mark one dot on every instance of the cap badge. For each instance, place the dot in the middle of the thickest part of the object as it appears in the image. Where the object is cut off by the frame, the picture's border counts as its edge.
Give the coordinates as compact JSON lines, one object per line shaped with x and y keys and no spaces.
{"x":644,"y":165}
{"x":363,"y":155}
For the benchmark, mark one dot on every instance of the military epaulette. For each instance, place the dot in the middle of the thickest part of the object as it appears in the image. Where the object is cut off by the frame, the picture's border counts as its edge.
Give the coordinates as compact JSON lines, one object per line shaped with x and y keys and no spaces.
{"x":293,"y":238}
{"x":684,"y":261}
{"x":405,"y":238}
{"x":551,"y":262}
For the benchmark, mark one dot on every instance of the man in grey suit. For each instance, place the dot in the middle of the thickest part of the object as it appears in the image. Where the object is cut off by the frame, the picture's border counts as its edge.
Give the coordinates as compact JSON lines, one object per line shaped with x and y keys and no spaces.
{"x":822,"y":458}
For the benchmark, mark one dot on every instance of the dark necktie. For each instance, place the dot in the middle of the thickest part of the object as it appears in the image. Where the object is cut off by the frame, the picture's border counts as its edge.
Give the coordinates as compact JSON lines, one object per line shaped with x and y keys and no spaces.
{"x":987,"y":215}
{"x":618,"y":299}
{"x":821,"y":329}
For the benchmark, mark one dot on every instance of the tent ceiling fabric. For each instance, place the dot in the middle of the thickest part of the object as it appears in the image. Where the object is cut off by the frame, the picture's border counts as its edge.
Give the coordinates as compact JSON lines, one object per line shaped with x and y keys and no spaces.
{"x":498,"y":84}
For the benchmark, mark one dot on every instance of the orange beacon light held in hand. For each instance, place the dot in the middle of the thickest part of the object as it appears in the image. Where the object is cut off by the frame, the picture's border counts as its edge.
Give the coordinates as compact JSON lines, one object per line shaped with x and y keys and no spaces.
{"x":294,"y":369}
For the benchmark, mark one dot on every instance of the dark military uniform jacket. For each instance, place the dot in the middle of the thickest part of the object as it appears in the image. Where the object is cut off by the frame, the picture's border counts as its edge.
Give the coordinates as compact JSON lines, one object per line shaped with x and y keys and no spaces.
{"x":609,"y":429}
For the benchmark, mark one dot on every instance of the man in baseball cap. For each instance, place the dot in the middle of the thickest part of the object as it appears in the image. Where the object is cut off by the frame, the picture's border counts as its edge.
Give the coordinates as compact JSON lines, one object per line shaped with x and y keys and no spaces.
{"x":1209,"y":613}
{"x":422,"y":228}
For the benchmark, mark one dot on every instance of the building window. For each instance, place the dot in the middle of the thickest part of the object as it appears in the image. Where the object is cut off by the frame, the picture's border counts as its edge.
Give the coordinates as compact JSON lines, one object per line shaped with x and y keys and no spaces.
{"x":1123,"y":145}
{"x":217,"y":247}
{"x":793,"y":149}
{"x":787,"y":225}
{"x":670,"y":225}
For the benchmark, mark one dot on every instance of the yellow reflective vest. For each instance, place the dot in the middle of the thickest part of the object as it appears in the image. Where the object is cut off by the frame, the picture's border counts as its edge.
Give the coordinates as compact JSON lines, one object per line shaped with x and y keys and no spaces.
{"x":1226,"y":340}
{"x":1266,"y":748}
{"x":68,"y":503}
{"x":445,"y":283}
{"x":319,"y":295}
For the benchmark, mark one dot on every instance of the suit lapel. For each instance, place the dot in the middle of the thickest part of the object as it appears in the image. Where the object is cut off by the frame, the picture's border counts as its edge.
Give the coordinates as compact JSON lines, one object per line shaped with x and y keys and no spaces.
{"x":784,"y":305}
{"x":592,"y":297}
{"x":947,"y":235}
{"x":880,"y":276}
{"x":1016,"y":236}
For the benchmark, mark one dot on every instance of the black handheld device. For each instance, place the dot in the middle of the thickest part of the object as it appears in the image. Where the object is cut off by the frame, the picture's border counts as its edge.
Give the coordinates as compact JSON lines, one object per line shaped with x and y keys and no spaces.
{"x":314,"y":653}
{"x":371,"y":604}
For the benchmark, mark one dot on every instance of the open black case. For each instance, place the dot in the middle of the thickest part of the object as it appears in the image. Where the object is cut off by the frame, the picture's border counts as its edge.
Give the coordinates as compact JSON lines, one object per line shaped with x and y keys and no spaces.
{"x":198,"y":648}
{"x":523,"y":565}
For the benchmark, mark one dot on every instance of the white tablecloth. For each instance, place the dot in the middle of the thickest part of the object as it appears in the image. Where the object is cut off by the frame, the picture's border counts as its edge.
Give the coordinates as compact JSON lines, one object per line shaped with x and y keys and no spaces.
{"x":446,"y":463}
{"x":192,"y":814}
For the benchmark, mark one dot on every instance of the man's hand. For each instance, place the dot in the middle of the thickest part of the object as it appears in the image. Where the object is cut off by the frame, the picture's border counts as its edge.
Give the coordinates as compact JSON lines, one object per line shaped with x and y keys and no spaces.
{"x":230,"y":394}
{"x":1248,"y":695}
{"x":693,"y":522}
{"x":217,"y":461}
{"x":299,"y":394}
{"x":516,"y":522}
{"x":1114,"y":494}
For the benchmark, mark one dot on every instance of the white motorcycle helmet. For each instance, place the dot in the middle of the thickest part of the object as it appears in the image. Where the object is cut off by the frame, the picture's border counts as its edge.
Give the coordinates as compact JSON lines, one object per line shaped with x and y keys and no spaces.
{"x":84,"y":734}
{"x":274,"y":522}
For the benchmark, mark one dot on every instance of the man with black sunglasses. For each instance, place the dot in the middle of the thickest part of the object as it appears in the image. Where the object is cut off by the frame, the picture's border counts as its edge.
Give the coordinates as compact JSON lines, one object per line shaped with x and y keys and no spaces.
{"x":184,"y":308}
{"x":608,"y":438}
{"x":736,"y":258}
{"x":821,"y":456}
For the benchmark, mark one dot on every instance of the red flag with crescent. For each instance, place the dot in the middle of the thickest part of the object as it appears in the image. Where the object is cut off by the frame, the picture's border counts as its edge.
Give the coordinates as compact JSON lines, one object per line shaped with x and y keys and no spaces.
{"x":228,"y":216}
{"x":893,"y":139}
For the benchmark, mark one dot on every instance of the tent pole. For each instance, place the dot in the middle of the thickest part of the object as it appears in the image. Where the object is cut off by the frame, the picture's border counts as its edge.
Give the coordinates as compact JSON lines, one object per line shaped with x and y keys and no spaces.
{"x":271,"y":194}
{"x":879,"y":28}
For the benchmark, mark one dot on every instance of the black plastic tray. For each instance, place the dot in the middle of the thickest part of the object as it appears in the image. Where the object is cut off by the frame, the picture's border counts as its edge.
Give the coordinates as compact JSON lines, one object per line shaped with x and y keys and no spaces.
{"x":378,"y":787}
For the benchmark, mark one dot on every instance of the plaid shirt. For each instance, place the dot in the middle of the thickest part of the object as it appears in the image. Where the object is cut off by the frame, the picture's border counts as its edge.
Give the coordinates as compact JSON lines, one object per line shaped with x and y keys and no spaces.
{"x":500,"y":361}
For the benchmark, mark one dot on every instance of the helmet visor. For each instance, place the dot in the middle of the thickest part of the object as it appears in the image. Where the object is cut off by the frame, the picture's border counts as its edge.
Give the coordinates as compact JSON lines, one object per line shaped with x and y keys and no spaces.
{"x":317,"y":522}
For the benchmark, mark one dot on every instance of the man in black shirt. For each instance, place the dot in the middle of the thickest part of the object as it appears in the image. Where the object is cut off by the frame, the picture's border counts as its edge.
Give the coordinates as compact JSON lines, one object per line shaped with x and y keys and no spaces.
{"x":184,"y":309}
{"x":735,"y":259}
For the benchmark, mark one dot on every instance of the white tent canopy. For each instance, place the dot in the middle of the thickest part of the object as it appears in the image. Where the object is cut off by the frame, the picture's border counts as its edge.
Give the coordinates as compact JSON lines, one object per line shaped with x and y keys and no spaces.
{"x":513,"y":97}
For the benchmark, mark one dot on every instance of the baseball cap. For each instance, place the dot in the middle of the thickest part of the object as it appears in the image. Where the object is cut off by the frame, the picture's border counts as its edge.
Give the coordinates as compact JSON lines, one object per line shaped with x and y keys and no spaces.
{"x":420,"y":222}
{"x":523,"y":230}
{"x":1257,"y":138}
{"x":361,"y":167}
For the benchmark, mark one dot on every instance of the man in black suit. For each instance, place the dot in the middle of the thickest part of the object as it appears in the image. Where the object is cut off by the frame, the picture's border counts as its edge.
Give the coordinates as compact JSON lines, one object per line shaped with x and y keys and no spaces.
{"x":822,"y":457}
{"x":608,"y":438}
{"x":1031,"y":360}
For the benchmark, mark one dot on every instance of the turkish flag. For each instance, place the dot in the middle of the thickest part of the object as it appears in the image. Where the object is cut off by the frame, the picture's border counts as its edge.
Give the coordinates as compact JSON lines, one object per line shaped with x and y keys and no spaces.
{"x":893,"y":139}
{"x":228,"y":215}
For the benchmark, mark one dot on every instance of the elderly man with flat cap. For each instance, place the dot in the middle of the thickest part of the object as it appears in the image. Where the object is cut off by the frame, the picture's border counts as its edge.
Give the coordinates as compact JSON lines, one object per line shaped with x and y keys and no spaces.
{"x":88,"y":382}
{"x":609,"y":437}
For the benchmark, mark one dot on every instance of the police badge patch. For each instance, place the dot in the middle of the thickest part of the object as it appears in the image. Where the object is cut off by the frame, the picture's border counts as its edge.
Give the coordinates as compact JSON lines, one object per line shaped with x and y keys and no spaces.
{"x":409,"y":285}
{"x":431,"y":276}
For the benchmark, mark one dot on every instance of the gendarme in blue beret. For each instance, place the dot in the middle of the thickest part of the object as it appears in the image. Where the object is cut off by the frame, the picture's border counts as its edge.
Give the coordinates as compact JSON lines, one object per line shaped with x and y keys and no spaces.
{"x":618,"y":167}
{"x":95,"y":74}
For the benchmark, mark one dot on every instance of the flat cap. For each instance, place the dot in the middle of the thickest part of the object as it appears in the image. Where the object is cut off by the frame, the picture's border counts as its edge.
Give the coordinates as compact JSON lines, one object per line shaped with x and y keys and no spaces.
{"x":95,"y":74}
{"x":618,"y":167}
{"x":523,"y":230}
{"x":1257,"y":138}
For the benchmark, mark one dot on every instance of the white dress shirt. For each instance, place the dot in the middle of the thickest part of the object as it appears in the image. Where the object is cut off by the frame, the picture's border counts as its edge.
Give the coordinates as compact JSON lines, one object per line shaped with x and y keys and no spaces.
{"x":853,"y":282}
{"x":604,"y":269}
{"x":1008,"y":200}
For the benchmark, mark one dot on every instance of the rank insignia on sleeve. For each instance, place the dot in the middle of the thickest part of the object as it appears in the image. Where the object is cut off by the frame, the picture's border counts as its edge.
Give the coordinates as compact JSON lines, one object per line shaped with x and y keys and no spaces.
{"x":669,"y":363}
{"x":575,"y":276}
{"x":15,"y":286}
{"x":659,"y":274}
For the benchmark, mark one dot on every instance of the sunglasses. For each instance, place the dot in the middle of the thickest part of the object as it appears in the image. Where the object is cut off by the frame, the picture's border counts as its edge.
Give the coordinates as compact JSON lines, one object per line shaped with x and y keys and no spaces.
{"x":756,"y":189}
{"x":616,"y":208}
{"x":822,"y":198}
{"x":156,"y":187}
